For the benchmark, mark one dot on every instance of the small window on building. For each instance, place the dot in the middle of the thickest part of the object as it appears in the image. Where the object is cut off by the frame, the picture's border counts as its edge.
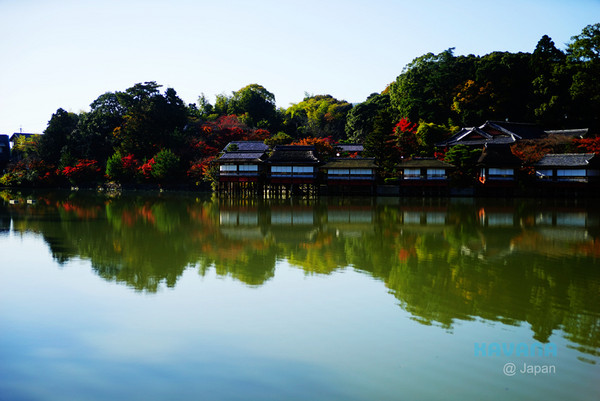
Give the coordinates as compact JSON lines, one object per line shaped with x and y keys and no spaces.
{"x":361,"y":171}
{"x":436,"y":173}
{"x":228,"y":167}
{"x":501,"y":171}
{"x":338,"y":171}
{"x":571,"y":173}
{"x":412,"y":173}
{"x":303,"y":169}
{"x":281,"y":169}
{"x":248,"y":167}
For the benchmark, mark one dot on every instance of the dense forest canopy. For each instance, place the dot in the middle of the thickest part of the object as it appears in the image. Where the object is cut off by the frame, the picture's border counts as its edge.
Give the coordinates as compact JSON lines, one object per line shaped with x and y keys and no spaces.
{"x":145,"y":134}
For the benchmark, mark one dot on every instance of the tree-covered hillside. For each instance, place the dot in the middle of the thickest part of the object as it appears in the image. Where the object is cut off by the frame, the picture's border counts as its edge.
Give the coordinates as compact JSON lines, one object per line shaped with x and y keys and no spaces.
{"x":145,"y":135}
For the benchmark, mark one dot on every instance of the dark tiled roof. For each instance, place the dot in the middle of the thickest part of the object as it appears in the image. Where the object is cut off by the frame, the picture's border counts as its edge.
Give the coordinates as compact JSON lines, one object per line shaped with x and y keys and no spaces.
{"x":523,"y":130}
{"x":351,"y":163}
{"x":230,"y":157}
{"x":566,"y":160}
{"x":497,"y":140}
{"x":498,"y":155}
{"x":349,"y":148}
{"x":573,"y":133}
{"x":425,"y":163}
{"x":453,"y":140}
{"x":293,"y":154}
{"x":494,"y":132}
{"x":248,"y":146}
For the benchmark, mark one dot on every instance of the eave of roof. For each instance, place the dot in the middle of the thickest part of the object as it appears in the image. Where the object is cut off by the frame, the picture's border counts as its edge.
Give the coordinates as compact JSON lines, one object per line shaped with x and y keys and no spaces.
{"x":350,"y":163}
{"x":242,"y":157}
{"x":293,"y":154}
{"x":425,"y":163}
{"x":566,"y":160}
{"x":248,"y":146}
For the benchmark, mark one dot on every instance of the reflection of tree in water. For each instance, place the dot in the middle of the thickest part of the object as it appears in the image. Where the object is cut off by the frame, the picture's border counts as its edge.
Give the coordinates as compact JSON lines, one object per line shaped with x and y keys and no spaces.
{"x":442,"y":262}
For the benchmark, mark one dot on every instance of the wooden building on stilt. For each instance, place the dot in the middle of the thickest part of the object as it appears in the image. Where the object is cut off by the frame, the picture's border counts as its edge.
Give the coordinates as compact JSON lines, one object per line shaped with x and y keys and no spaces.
{"x":498,"y":171}
{"x":242,"y":168}
{"x":292,"y":170}
{"x":350,"y":176}
{"x":425,"y":177}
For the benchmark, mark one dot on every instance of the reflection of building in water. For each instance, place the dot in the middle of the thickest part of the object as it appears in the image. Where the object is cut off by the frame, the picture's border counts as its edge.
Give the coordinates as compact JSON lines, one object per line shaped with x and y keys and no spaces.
{"x":497,"y":217}
{"x":428,"y":216}
{"x":350,"y":221}
{"x":282,"y":222}
{"x":238,"y":217}
{"x":574,"y":219}
{"x":498,"y":220}
{"x":292,"y":216}
{"x":240,"y":223}
{"x":344,"y":215}
{"x":571,"y":226}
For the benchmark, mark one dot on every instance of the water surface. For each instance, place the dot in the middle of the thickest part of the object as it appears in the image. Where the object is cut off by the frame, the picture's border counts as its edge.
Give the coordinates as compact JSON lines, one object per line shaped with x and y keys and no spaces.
{"x":168,"y":296}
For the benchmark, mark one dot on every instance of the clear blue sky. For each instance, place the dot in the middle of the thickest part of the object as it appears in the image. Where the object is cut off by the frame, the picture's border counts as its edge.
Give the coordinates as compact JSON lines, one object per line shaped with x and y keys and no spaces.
{"x":66,"y":53}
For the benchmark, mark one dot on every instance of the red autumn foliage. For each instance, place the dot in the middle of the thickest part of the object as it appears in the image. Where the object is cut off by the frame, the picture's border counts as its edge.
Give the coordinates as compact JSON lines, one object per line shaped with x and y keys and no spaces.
{"x":215,"y":135}
{"x":130,"y":163}
{"x":146,"y":168}
{"x":588,"y":145}
{"x":531,"y":151}
{"x":200,"y":170}
{"x":405,"y":126}
{"x":82,"y":212}
{"x":84,"y":171}
{"x":259,"y":134}
{"x":322,"y":145}
{"x":404,"y":139}
{"x":202,"y":148}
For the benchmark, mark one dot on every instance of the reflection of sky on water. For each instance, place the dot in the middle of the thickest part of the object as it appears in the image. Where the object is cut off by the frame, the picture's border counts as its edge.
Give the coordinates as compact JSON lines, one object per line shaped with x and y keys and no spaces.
{"x":322,"y":337}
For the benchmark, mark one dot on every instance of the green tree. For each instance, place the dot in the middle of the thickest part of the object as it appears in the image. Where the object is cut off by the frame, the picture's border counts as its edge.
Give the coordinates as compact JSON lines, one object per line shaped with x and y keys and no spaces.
{"x":152,"y":121}
{"x":205,"y":109}
{"x":319,"y":116}
{"x":510,"y":77}
{"x":428,"y":134}
{"x":26,"y":147}
{"x":281,"y":138}
{"x":93,"y":137}
{"x":464,"y":158}
{"x":53,"y":143}
{"x":361,"y":118}
{"x":426,"y":87}
{"x":473,"y":103}
{"x":255,"y":105}
{"x":379,"y":142}
{"x":221,"y":107}
{"x":167,"y":166}
{"x":550,"y":97}
{"x":583,"y":55}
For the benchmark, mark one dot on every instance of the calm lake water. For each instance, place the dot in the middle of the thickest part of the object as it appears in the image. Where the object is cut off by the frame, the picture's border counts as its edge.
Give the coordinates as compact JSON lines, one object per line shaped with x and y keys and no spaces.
{"x":177,"y":297}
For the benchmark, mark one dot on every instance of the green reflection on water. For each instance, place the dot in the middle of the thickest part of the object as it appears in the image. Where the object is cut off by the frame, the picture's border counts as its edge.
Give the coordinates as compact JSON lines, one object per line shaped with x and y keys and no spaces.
{"x":444,"y":260}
